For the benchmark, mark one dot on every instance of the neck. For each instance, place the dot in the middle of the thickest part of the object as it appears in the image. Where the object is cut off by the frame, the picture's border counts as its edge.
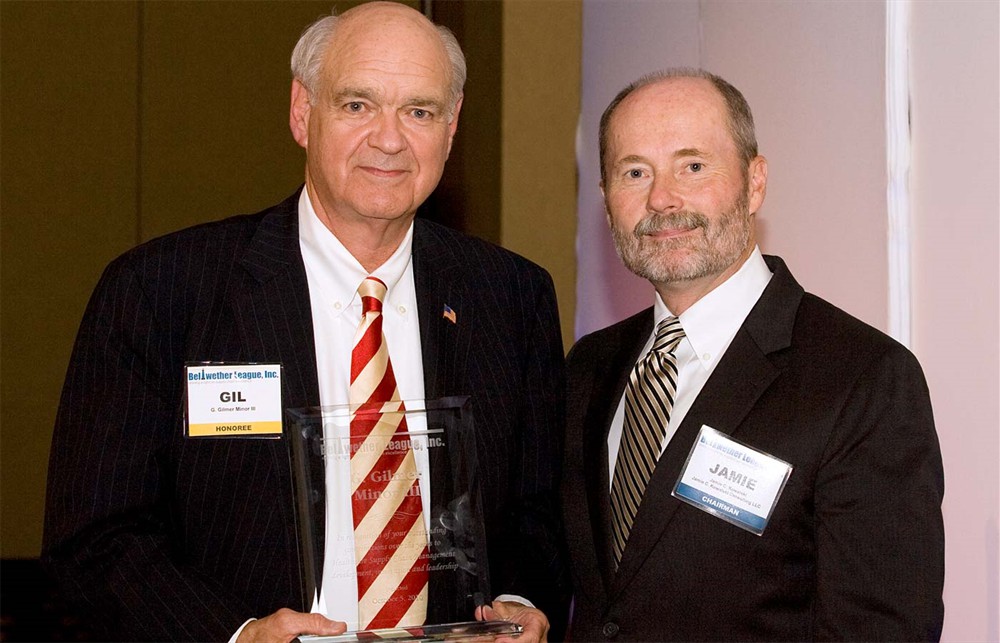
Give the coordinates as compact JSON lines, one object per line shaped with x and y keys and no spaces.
{"x":371,"y":244}
{"x":369,"y":240}
{"x":681,"y":295}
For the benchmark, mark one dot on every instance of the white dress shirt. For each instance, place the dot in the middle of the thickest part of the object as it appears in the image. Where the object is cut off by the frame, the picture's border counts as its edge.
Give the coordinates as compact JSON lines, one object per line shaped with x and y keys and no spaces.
{"x":709,"y":327}
{"x":334,"y":276}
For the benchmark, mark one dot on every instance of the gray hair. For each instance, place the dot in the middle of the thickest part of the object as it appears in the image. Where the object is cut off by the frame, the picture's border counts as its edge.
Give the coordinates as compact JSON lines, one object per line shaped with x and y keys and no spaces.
{"x":740,"y":118}
{"x":310,"y":50}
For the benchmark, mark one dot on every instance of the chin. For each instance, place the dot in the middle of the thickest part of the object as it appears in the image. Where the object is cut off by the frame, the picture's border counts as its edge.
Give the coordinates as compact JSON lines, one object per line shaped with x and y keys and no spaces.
{"x":387,"y":209}
{"x":391,"y":215}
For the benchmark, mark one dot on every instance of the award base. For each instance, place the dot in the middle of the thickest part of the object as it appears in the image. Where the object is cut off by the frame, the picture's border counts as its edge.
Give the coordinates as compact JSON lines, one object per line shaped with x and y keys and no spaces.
{"x":470,"y":631}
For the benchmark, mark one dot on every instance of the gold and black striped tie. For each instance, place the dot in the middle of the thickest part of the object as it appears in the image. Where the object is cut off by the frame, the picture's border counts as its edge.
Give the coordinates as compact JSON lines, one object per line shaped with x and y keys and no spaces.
{"x":649,"y":398}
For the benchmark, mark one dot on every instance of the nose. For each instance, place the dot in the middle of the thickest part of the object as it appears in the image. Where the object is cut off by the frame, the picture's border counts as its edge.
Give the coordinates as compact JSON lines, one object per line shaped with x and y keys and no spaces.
{"x":386,"y":134}
{"x":664,"y":194}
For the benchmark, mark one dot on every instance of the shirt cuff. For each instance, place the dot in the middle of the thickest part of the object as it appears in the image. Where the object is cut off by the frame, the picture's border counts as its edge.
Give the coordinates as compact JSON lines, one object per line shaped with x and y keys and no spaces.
{"x":514,"y":598}
{"x":233,"y":638}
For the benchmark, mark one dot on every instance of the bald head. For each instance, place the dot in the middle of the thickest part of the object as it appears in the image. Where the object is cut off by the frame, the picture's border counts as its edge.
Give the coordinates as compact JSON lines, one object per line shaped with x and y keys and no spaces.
{"x":740,"y":121}
{"x":375,"y":25}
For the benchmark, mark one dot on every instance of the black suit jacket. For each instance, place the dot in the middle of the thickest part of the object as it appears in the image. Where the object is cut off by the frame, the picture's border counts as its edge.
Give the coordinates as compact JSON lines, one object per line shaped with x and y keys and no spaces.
{"x":854,"y":548}
{"x":159,"y":537}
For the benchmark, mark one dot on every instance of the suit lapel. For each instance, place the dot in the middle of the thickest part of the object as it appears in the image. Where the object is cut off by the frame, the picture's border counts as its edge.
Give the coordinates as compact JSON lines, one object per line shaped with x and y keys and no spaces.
{"x":444,"y":346}
{"x":273,"y":306}
{"x":274,"y":320}
{"x":744,"y":373}
{"x":600,"y":413}
{"x":444,"y":343}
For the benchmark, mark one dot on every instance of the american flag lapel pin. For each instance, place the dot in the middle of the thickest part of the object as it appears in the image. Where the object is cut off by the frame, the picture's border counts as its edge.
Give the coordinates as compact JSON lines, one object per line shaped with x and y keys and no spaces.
{"x":449,"y":314}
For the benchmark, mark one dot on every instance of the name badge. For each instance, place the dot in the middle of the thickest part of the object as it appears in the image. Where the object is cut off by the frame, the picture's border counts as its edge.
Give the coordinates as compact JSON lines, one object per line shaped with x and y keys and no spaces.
{"x":233,"y":400}
{"x":731,"y":480}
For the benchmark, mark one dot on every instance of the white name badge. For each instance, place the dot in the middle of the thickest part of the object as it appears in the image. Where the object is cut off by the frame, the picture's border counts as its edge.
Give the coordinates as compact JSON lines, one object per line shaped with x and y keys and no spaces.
{"x":731,"y":480}
{"x":233,"y":400}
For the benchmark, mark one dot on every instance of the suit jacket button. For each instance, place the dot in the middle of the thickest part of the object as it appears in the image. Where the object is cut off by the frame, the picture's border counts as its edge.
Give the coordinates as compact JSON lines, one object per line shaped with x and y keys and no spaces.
{"x":610,"y":629}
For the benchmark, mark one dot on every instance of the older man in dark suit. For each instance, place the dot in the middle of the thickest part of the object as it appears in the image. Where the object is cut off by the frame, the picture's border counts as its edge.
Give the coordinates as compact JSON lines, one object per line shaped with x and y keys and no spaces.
{"x":744,"y":460}
{"x":163,"y":537}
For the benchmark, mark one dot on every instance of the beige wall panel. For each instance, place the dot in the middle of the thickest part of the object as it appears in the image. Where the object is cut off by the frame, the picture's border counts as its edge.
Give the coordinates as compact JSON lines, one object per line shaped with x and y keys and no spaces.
{"x":68,"y":177}
{"x":541,"y":107}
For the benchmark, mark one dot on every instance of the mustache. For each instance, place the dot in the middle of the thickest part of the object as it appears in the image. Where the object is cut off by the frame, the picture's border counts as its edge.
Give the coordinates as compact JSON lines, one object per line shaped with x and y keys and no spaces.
{"x":653,"y":223}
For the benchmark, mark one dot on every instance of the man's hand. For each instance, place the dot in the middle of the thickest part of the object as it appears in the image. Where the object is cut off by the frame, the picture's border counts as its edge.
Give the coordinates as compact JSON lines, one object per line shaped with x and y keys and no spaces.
{"x":534,"y":622}
{"x":285,"y":624}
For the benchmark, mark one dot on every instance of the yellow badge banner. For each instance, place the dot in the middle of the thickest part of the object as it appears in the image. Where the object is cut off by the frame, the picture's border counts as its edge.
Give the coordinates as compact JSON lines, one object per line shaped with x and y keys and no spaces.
{"x":252,"y":428}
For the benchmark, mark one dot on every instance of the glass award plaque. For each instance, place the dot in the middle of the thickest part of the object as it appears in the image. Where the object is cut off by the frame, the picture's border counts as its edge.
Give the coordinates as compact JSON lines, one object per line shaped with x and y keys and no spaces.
{"x":440,"y":435}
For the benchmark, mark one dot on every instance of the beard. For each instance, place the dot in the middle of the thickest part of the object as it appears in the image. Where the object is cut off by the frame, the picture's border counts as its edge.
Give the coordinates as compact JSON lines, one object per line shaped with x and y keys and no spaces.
{"x":691,"y":256}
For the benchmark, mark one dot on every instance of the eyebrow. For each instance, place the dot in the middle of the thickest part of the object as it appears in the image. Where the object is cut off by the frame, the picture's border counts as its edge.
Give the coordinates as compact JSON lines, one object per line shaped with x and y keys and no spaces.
{"x":635,"y":158}
{"x":631,"y":158}
{"x":353,"y":92}
{"x":420,"y":101}
{"x":373,"y":96}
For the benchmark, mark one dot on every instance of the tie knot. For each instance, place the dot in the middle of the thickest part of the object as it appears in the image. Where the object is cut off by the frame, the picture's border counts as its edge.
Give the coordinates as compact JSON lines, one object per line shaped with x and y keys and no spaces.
{"x":372,"y":291}
{"x":668,"y":335}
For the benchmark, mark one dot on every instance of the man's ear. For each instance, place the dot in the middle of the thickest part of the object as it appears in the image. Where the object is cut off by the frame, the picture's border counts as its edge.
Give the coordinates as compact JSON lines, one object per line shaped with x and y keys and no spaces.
{"x":298,"y":113}
{"x":604,"y":198}
{"x":453,"y":123}
{"x":757,"y":183}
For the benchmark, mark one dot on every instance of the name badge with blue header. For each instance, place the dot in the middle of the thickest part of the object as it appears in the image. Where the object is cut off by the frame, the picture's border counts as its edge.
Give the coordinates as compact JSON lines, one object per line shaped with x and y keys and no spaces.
{"x":233,"y":400}
{"x":732,"y":481}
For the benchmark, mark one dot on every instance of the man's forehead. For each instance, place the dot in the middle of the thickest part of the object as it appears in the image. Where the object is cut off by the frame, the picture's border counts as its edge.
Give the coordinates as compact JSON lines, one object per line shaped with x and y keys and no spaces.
{"x":678,"y":95}
{"x":384,"y":84}
{"x":671,"y":120}
{"x":671,"y":107}
{"x":404,"y":52}
{"x":391,"y":32}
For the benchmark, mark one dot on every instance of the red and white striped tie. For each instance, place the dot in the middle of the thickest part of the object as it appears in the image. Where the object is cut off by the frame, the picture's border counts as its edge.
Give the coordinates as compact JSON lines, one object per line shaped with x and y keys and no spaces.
{"x":390,"y":538}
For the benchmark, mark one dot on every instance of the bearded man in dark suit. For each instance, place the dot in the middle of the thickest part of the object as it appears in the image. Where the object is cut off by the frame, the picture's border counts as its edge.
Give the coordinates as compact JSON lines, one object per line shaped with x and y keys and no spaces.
{"x":744,"y":461}
{"x":163,"y":537}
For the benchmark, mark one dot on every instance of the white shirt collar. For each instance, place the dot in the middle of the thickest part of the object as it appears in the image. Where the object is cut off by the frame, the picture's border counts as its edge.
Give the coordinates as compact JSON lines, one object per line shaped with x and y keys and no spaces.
{"x":340,"y":273}
{"x":711,"y":322}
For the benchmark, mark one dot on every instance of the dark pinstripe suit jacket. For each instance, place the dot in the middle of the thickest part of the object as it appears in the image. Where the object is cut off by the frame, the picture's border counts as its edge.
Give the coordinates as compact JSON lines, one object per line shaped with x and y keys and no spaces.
{"x":855,"y":546}
{"x":163,"y":538}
